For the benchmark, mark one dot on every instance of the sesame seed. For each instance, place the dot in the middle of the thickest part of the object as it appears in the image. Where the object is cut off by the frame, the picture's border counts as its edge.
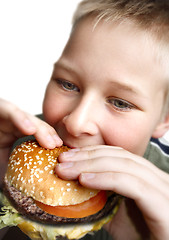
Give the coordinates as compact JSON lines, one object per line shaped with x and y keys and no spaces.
{"x":68,"y":184}
{"x":51,"y":188}
{"x":41,"y":193}
{"x":68,"y":189}
{"x":37,"y":175}
{"x":40,"y":180}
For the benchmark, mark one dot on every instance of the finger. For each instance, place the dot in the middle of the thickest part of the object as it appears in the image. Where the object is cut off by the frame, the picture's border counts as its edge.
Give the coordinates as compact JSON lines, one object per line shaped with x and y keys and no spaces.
{"x":72,"y":170}
{"x":46,"y":134}
{"x":146,"y":196}
{"x":13,"y":116}
{"x":127,"y":185}
{"x":29,"y":125}
{"x":91,"y":152}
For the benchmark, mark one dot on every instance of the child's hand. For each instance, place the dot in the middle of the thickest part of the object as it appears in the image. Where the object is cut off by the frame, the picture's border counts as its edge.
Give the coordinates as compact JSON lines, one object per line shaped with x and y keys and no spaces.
{"x":15,"y":123}
{"x":112,"y":168}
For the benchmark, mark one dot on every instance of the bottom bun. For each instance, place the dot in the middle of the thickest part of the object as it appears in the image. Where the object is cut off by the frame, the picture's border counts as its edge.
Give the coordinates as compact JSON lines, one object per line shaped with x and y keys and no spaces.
{"x":38,"y":231}
{"x":9,"y":216}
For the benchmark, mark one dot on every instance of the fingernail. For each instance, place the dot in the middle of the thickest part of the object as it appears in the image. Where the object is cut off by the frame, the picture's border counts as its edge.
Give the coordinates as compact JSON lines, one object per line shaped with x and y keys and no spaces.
{"x":29,"y":124}
{"x":70,"y":153}
{"x":66,"y":165}
{"x":88,"y":176}
{"x":49,"y":138}
{"x":57,"y":139}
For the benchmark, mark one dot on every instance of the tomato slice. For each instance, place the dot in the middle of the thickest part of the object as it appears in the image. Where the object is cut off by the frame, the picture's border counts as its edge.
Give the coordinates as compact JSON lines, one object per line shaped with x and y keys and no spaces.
{"x":84,"y":209}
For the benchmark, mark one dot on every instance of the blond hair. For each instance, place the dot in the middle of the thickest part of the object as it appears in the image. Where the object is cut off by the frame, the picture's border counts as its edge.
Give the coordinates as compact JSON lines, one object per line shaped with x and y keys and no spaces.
{"x":149,"y":15}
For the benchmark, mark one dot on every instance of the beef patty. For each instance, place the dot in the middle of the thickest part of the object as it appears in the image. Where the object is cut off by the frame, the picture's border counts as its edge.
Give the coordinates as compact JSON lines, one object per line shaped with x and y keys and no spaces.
{"x":27,"y":207}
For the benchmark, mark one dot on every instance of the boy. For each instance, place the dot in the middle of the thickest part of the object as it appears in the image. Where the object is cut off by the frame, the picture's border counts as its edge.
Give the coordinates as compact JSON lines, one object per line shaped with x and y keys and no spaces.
{"x":108,"y":95}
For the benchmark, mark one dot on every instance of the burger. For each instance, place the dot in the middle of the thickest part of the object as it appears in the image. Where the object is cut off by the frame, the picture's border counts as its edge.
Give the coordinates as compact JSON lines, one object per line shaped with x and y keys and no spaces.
{"x":46,"y":207}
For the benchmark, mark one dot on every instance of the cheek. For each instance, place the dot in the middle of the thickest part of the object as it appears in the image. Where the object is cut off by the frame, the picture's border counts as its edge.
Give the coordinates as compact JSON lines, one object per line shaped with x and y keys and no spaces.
{"x":53,"y":110}
{"x":128,"y":135}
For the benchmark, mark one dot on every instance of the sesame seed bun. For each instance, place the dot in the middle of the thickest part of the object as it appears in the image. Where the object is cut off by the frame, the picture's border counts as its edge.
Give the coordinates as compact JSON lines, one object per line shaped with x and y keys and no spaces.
{"x":31,"y":171}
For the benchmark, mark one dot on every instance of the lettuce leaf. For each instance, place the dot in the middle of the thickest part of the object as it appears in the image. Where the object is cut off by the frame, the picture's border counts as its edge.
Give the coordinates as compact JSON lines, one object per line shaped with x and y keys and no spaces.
{"x":9,"y":216}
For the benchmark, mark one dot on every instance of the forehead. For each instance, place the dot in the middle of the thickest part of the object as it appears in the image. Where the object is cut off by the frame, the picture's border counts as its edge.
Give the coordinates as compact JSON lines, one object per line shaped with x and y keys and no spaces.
{"x":114,"y":48}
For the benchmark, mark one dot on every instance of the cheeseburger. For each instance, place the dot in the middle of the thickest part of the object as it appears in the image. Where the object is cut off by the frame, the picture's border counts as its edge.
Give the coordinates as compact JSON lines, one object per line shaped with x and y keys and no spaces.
{"x":46,"y":207}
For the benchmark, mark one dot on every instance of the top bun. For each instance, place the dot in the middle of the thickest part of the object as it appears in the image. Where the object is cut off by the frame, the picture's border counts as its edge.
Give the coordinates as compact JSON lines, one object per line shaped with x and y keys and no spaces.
{"x":31,"y":171}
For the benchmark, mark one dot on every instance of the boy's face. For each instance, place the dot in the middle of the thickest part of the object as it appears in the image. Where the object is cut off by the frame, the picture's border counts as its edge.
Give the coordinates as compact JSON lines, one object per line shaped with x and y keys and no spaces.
{"x":107,"y":88}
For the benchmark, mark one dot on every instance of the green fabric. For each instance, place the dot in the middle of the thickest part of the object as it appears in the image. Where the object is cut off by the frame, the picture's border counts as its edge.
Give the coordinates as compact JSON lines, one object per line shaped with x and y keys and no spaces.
{"x":154,"y":155}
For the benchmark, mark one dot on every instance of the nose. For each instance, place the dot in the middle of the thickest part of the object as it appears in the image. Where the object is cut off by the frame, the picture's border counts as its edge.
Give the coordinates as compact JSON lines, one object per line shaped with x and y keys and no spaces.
{"x":83,"y":119}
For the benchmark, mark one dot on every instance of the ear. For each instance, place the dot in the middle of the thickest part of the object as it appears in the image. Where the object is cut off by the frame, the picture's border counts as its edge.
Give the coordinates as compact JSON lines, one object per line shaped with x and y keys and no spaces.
{"x":161,"y":128}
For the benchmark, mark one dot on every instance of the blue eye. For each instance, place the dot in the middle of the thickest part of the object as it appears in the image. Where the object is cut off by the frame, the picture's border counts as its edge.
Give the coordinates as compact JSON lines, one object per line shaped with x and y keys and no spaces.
{"x":120,"y":105}
{"x":68,"y":86}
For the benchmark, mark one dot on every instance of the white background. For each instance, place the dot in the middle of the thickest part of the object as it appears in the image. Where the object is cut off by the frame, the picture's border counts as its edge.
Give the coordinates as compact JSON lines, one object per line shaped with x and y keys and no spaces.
{"x":33,"y":34}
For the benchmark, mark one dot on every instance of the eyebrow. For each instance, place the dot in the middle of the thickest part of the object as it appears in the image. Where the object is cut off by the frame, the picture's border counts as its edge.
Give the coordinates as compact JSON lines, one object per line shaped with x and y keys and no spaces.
{"x":64,"y":66}
{"x":124,"y":87}
{"x":118,"y":85}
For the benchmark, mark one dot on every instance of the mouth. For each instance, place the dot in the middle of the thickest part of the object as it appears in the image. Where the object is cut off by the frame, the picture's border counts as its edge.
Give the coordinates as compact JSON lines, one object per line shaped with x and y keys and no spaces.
{"x":81,"y":142}
{"x":78,"y":142}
